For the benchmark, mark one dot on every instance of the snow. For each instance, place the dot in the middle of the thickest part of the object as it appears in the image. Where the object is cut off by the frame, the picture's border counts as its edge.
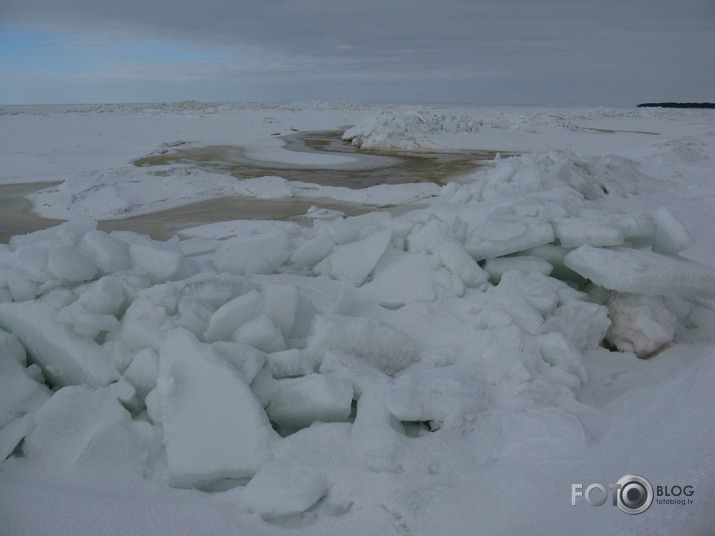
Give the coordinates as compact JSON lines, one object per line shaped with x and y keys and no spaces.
{"x":450,"y":367}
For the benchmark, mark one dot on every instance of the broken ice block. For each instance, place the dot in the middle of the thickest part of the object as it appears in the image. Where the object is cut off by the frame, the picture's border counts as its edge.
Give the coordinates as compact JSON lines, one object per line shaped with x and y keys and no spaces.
{"x":642,"y":272}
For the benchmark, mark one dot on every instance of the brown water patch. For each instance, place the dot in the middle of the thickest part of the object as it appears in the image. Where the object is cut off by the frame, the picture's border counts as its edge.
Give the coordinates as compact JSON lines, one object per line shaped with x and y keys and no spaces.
{"x":16,"y":215}
{"x":164,"y":224}
{"x":397,"y":168}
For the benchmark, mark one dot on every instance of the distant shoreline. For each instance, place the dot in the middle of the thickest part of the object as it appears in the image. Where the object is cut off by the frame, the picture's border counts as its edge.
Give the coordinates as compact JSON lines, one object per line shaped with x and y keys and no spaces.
{"x":677,"y":105}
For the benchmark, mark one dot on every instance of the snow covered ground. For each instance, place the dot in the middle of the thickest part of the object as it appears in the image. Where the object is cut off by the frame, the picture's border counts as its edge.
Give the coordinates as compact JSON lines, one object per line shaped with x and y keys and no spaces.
{"x":452,"y":369}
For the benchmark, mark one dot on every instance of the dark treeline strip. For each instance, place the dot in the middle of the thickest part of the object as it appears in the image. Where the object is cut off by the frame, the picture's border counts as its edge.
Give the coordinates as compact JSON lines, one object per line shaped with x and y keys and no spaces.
{"x":677,"y":105}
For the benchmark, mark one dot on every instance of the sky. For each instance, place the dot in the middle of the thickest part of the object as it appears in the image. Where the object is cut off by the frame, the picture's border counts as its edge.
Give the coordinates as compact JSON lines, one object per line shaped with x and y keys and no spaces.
{"x":561,"y":52}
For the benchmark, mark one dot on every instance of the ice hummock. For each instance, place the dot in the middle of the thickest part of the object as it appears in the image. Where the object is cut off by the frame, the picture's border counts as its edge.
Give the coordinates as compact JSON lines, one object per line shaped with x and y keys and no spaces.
{"x":405,"y":359}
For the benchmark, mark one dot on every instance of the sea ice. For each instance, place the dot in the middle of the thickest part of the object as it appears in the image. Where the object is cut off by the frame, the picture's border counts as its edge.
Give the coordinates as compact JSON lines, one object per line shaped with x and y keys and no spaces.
{"x":280,"y":304}
{"x":160,"y":264}
{"x":68,"y":265}
{"x":353,"y":263}
{"x":525,"y":264}
{"x":314,"y":250}
{"x":261,"y":253}
{"x":456,"y":259}
{"x":670,"y":237}
{"x":318,"y":397}
{"x":404,"y":278}
{"x":227,"y":318}
{"x":642,"y":271}
{"x":106,"y":252}
{"x":65,"y":358}
{"x":290,"y":363}
{"x":504,"y":237}
{"x":20,"y":393}
{"x":261,"y":333}
{"x":575,"y":232}
{"x":214,"y":428}
{"x":246,"y":359}
{"x":583,"y":323}
{"x":143,"y":371}
{"x":385,"y":347}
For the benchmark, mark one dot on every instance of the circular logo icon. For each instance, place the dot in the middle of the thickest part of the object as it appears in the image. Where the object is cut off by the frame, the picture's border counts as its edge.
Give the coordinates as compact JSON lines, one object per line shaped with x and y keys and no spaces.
{"x":634,"y":495}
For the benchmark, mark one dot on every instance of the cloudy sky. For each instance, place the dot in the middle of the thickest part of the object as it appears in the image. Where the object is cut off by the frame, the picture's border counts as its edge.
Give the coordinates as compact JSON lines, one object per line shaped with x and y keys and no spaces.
{"x":591,"y":52}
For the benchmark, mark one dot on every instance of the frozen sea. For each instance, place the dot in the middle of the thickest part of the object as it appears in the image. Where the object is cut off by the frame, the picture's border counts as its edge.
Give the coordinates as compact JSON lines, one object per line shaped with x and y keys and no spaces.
{"x":188,"y":350}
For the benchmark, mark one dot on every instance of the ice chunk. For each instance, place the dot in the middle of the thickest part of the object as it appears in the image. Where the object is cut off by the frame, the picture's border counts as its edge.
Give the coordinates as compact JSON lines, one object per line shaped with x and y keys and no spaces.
{"x":143,"y":371}
{"x":231,"y":315}
{"x":290,"y":363}
{"x":68,"y":264}
{"x":639,"y":324}
{"x":247,"y":360}
{"x":256,"y":254}
{"x":317,"y":397}
{"x":361,"y":374}
{"x":456,"y":259}
{"x":160,"y":264}
{"x":502,"y":238}
{"x":642,"y":271}
{"x":524,"y":264}
{"x":670,"y":237}
{"x":68,"y":233}
{"x":574,"y":232}
{"x":408,"y":278}
{"x":561,"y":353}
{"x":193,"y":315}
{"x":65,"y":358}
{"x":214,"y":427}
{"x":428,"y":237}
{"x":105,"y":297}
{"x":385,"y":347}
{"x":554,"y":255}
{"x":106,"y":252}
{"x":582,"y":323}
{"x":280,"y":303}
{"x":31,"y":260}
{"x":19,"y":392}
{"x":313,"y":251}
{"x":353,"y":263}
{"x":358,"y":227}
{"x":21,"y":287}
{"x":144,"y":324}
{"x":538,"y":290}
{"x":260,"y":333}
{"x":10,"y":347}
{"x":86,"y":323}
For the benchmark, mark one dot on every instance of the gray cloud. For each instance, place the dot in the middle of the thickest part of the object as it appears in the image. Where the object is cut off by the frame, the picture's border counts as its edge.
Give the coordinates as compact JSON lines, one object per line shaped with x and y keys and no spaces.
{"x":548,"y":51}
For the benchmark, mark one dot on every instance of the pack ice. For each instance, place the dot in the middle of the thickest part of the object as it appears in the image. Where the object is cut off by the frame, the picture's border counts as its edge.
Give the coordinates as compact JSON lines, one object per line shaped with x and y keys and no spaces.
{"x":307,"y":365}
